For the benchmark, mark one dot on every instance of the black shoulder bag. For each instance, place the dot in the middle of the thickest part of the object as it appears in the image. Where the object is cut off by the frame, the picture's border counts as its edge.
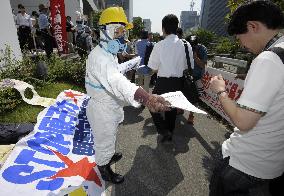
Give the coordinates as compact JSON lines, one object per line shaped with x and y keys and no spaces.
{"x":279,"y":51}
{"x":189,"y":86}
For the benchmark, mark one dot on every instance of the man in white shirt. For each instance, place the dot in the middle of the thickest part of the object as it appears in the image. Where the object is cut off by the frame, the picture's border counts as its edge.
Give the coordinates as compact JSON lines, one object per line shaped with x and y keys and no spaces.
{"x":254,"y":153}
{"x":24,"y":24}
{"x":168,"y":59}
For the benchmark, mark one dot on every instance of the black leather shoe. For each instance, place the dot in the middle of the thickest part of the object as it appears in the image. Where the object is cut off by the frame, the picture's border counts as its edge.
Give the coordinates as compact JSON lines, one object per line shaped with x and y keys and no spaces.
{"x":108,"y":175}
{"x":167,"y":138}
{"x":116,"y":157}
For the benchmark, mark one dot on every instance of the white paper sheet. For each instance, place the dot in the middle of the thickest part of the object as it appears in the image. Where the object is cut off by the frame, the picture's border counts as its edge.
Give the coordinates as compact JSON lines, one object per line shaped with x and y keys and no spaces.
{"x":128,"y":65}
{"x":178,"y":100}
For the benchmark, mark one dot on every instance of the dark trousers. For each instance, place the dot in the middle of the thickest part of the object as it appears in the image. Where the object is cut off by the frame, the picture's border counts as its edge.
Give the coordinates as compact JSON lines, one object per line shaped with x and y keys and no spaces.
{"x":228,"y":181}
{"x":48,"y":42}
{"x":276,"y":185}
{"x":165,"y":85}
{"x":25,"y":38}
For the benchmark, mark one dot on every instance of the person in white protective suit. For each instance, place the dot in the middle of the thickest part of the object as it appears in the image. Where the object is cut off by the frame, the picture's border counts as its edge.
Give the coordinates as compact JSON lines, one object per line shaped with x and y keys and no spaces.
{"x":110,"y":91}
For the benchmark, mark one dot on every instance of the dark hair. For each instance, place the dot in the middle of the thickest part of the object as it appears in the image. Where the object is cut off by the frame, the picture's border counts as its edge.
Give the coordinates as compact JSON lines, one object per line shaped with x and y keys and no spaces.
{"x":179,"y":32}
{"x":170,"y":24}
{"x":34,"y":13}
{"x":144,"y":34}
{"x":42,"y":7}
{"x":20,"y":6}
{"x":265,"y":12}
{"x":192,"y":39}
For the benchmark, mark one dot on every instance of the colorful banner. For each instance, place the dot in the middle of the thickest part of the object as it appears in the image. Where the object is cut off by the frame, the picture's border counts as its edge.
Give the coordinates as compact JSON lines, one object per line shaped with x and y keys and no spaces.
{"x":57,"y":158}
{"x":233,"y":86}
{"x":58,"y":23}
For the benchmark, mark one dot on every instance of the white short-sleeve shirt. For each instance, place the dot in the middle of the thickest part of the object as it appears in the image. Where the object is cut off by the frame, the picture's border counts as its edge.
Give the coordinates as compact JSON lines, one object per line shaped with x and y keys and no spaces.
{"x":168,"y":57}
{"x":260,"y":152}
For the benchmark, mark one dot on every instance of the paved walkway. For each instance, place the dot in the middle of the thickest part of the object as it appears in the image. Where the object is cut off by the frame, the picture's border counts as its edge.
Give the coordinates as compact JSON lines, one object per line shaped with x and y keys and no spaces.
{"x":182,"y":168}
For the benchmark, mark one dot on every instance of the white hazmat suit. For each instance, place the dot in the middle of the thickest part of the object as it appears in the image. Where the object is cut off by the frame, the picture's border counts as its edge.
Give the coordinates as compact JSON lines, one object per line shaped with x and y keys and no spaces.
{"x":109,"y":91}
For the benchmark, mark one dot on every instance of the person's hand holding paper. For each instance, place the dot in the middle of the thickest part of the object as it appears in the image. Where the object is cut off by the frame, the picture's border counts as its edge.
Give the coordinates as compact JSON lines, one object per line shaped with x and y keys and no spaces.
{"x":178,"y":100}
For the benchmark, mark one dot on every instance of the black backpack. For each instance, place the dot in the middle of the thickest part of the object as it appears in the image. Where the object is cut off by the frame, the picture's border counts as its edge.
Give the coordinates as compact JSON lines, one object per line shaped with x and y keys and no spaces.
{"x":81,"y":43}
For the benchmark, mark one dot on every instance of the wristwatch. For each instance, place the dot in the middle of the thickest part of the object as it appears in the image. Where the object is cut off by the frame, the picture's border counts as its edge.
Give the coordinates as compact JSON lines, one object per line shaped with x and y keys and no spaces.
{"x":219,"y":93}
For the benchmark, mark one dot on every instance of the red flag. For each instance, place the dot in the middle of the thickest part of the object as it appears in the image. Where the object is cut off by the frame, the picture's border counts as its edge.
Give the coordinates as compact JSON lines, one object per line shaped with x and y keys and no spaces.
{"x":58,"y":23}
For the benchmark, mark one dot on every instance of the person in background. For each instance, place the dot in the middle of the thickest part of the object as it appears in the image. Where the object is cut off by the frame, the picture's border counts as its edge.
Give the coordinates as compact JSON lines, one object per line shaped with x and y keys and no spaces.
{"x":180,"y":33}
{"x":200,"y":62}
{"x":84,"y":41}
{"x":127,"y":55}
{"x":35,"y":31}
{"x":168,"y":59}
{"x":141,"y":44}
{"x":254,"y":153}
{"x":14,"y":16}
{"x":45,"y":32}
{"x":148,"y":52}
{"x":24,"y":23}
{"x":96,"y":37}
{"x":110,"y":91}
{"x":180,"y":36}
{"x":70,"y":29}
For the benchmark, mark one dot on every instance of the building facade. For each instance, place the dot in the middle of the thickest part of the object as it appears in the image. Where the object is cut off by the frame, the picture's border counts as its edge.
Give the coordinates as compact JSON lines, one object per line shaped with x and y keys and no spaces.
{"x":188,"y":20}
{"x":213,"y":14}
{"x":147,"y":25}
{"x":126,"y":4}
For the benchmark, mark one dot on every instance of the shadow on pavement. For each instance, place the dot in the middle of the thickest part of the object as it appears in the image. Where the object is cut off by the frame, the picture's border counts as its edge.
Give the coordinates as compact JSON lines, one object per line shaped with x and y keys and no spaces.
{"x":148,"y":128}
{"x":132,"y":115}
{"x":154,"y":172}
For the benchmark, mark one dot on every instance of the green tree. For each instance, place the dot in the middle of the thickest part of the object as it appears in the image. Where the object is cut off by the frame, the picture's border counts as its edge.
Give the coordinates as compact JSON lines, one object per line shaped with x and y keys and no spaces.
{"x":95,"y":16}
{"x":234,"y":4}
{"x":156,"y":37}
{"x":205,"y":37}
{"x":227,"y":46}
{"x":137,"y":28}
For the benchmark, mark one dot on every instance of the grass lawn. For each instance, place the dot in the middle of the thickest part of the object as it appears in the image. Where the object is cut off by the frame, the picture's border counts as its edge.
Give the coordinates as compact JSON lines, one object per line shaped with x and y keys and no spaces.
{"x":28,"y":113}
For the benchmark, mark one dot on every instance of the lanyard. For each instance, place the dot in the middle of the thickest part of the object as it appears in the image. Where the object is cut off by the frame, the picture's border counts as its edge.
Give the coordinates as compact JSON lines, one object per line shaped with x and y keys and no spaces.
{"x":273,"y":40}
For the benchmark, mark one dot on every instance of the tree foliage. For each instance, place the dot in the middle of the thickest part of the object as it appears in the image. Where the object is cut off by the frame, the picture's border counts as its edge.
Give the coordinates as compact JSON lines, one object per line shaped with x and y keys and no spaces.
{"x":227,"y":46}
{"x":234,"y":4}
{"x":95,"y":16}
{"x":156,"y":37}
{"x":137,"y":28}
{"x":205,"y":37}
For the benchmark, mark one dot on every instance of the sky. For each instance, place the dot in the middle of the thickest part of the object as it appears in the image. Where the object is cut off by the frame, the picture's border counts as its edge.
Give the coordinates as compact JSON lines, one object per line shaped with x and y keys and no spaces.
{"x":155,"y":10}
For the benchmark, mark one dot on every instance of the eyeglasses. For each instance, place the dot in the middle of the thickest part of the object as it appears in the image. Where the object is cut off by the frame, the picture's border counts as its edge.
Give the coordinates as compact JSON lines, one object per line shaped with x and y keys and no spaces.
{"x":120,"y":30}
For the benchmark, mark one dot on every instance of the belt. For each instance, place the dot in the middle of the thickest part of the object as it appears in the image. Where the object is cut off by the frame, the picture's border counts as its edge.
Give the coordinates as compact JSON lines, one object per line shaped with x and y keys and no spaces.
{"x":24,"y":26}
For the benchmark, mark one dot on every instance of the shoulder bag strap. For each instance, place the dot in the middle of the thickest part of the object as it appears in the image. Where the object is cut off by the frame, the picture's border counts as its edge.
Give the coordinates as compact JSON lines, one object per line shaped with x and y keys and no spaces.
{"x":187,"y":55}
{"x":279,"y":51}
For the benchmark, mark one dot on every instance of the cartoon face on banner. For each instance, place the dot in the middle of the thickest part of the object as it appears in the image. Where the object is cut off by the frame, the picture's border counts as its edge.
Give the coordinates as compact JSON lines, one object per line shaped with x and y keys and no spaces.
{"x":58,"y":157}
{"x":234,"y":88}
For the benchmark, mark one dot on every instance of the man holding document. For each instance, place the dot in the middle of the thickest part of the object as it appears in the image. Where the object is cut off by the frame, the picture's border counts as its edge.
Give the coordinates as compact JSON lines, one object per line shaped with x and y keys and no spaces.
{"x":254,"y":153}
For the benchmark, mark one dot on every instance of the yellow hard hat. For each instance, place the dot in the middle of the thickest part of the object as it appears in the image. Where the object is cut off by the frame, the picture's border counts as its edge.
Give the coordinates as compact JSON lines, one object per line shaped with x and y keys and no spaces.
{"x":114,"y":15}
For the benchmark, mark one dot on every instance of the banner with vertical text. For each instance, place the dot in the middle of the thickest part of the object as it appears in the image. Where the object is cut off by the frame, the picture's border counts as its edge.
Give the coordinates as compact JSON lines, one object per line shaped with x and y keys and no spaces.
{"x":58,"y":23}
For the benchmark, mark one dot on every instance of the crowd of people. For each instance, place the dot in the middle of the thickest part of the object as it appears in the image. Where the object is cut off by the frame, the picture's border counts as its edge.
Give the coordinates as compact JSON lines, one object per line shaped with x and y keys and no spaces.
{"x":35,"y":32}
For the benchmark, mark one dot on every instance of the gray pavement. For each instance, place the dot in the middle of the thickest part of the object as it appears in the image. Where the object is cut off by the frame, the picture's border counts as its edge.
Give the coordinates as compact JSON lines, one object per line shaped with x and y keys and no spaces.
{"x":181,"y":168}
